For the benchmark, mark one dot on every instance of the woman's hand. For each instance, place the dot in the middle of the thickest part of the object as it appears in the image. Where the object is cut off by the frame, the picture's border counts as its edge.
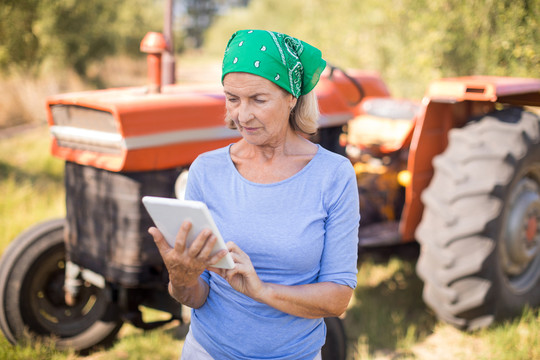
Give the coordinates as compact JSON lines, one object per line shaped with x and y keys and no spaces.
{"x":186,"y":264}
{"x":317,"y":300}
{"x":243,"y":277}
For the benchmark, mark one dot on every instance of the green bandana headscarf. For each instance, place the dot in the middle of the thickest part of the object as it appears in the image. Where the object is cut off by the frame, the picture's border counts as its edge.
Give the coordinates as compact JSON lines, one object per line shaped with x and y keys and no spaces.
{"x":286,"y":61}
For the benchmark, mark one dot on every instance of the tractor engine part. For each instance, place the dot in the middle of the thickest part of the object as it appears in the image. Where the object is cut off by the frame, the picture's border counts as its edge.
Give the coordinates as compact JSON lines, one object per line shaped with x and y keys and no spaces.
{"x":154,"y":45}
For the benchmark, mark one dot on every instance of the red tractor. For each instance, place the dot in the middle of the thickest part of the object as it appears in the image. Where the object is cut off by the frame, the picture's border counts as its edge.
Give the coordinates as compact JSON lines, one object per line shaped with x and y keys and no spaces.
{"x":458,"y":172}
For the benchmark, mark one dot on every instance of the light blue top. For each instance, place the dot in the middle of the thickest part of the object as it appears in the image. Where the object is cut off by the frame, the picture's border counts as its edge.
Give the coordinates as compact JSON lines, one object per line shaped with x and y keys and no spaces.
{"x":301,"y":230}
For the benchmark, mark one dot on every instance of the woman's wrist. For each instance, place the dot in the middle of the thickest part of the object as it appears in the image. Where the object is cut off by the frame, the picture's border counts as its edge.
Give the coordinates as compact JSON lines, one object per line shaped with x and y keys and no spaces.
{"x":176,"y":290}
{"x":172,"y":291}
{"x":193,"y":296}
{"x":264,"y":294}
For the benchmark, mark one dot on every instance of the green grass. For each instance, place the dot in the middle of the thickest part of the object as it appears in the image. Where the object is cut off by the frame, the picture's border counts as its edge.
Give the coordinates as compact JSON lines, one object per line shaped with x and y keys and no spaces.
{"x":519,"y":339}
{"x":136,"y":344}
{"x":387,"y":313}
{"x":386,"y":319}
{"x":31,"y":183}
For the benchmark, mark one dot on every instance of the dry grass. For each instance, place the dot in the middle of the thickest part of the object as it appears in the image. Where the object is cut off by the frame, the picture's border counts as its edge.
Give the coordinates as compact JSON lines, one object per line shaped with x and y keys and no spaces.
{"x":23,"y":95}
{"x":197,"y":67}
{"x":448,"y":343}
{"x":120,"y":71}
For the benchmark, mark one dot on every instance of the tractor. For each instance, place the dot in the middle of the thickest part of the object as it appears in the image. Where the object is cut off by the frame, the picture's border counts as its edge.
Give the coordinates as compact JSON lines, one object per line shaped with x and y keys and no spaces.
{"x":458,"y":172}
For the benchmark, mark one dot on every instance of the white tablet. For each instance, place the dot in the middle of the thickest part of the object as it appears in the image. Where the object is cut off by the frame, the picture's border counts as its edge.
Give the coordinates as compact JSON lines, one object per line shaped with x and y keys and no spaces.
{"x":168,"y":214}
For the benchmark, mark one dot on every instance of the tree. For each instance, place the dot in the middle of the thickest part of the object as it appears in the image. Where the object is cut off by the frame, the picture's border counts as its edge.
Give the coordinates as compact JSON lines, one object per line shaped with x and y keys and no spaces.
{"x":410,"y":42}
{"x":72,"y":33}
{"x":18,"y":41}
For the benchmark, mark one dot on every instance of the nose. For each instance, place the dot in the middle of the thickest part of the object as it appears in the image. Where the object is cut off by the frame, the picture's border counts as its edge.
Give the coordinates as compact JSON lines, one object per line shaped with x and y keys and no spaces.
{"x":244,"y":114}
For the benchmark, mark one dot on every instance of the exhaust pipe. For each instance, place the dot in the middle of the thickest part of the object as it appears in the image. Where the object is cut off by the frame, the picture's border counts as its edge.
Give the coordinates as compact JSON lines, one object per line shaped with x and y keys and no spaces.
{"x":154,"y":45}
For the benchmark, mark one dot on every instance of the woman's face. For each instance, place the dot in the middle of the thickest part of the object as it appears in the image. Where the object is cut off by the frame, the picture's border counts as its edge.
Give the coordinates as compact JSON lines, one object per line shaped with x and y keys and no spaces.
{"x":259,"y":108}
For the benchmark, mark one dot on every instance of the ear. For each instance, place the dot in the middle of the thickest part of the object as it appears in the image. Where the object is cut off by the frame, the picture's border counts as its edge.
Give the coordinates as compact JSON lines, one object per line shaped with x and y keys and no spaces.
{"x":292,"y":103}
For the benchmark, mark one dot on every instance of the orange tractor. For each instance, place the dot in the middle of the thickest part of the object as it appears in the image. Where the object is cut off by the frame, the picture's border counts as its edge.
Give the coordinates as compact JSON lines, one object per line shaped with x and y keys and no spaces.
{"x":459,"y":172}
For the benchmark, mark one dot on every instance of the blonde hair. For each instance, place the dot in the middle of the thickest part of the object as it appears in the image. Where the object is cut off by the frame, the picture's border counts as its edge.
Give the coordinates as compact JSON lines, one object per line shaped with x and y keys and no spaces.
{"x":303,"y":118}
{"x":305,"y":114}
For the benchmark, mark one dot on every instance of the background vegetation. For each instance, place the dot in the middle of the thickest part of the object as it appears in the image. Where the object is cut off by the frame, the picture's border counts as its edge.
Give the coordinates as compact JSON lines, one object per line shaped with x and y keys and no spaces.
{"x":410,"y":42}
{"x":38,"y":35}
{"x":55,"y":46}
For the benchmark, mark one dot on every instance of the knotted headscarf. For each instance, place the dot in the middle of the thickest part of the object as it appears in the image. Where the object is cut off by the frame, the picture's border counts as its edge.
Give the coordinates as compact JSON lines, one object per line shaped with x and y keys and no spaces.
{"x":292,"y":64}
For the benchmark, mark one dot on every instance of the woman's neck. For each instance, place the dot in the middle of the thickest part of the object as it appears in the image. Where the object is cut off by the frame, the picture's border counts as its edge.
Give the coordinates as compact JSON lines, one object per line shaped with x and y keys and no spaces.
{"x":269,"y":164}
{"x":291,"y":145}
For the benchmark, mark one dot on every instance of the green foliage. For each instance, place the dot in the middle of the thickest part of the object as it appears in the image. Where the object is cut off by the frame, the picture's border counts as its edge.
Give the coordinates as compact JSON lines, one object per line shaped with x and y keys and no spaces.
{"x":73,"y":30}
{"x":72,"y":33}
{"x":410,"y":42}
{"x":18,"y":42}
{"x":134,"y":18}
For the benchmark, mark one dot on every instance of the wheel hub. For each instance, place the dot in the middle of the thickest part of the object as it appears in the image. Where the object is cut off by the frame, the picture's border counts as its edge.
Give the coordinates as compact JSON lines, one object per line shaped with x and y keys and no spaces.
{"x":532,"y":227}
{"x":520,"y":248}
{"x":48,"y":312}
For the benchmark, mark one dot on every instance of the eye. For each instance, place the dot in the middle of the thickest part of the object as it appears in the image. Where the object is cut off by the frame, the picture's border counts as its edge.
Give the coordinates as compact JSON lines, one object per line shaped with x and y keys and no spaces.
{"x":259,"y":100}
{"x":232,"y":99}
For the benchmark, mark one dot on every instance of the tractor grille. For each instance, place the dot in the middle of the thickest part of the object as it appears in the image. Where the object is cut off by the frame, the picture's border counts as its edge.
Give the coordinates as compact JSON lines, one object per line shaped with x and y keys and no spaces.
{"x":82,"y":128}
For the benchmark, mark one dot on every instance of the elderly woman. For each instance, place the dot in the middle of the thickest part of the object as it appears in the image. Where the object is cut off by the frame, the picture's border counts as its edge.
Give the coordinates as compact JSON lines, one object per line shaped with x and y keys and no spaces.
{"x":287,"y":207}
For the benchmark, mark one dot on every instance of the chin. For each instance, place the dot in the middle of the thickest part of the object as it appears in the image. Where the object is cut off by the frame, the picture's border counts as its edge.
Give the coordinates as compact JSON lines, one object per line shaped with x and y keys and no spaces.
{"x":252,"y":141}
{"x":251,"y":138}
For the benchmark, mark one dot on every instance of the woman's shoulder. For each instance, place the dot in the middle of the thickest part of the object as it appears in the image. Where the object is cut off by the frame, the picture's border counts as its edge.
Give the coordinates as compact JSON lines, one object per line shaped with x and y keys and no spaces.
{"x":212,"y":156}
{"x":331,"y":160}
{"x":212,"y":160}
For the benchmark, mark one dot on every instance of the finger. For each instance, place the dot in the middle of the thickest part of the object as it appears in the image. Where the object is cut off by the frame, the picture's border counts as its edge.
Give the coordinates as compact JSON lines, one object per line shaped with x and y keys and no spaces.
{"x":181,"y":236}
{"x":159,"y":239}
{"x":200,"y":241}
{"x":238,"y":254}
{"x":239,"y":263}
{"x":217,"y":257}
{"x":231,"y":246}
{"x":207,"y":248}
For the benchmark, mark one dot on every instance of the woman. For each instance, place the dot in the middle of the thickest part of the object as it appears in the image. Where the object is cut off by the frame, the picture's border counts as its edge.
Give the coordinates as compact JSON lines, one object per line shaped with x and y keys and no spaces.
{"x":287,"y":207}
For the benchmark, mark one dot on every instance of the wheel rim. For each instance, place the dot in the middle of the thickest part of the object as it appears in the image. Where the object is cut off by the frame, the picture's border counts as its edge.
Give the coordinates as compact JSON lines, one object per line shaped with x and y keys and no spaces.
{"x":520,"y":246}
{"x":45,"y":310}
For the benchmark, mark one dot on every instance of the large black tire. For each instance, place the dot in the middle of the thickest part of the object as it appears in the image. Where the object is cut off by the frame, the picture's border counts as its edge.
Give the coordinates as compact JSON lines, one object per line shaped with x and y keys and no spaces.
{"x":479,"y":234}
{"x":32,"y":299}
{"x":335,"y":347}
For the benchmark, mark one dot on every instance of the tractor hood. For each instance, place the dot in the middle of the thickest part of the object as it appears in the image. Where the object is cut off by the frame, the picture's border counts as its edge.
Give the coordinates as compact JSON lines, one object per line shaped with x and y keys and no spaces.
{"x":131,"y":130}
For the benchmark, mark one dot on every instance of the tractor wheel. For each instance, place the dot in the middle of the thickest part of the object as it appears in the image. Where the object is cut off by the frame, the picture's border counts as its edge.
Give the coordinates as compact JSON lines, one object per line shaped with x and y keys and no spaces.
{"x":479,"y":234}
{"x":335,"y":347}
{"x":32,"y":300}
